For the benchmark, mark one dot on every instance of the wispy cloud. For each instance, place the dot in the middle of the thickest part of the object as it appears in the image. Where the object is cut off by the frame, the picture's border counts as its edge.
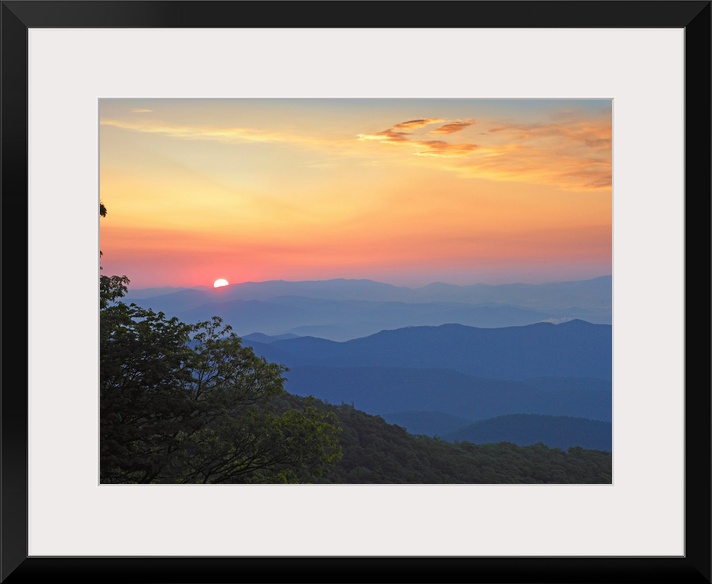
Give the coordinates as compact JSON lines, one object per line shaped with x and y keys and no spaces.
{"x":452,"y":127}
{"x":415,"y":124}
{"x":397,"y":132}
{"x":140,"y":110}
{"x":389,"y":135}
{"x":234,"y":134}
{"x":589,"y":133}
{"x":442,"y":148}
{"x":573,"y":154}
{"x":425,"y":147}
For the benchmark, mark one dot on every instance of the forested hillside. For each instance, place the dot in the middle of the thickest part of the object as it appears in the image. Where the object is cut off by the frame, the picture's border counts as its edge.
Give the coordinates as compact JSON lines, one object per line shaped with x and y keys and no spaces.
{"x":377,"y":452}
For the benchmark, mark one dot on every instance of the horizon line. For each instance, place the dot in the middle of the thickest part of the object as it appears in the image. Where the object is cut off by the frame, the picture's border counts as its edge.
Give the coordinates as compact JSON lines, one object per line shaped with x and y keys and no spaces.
{"x":435,"y":282}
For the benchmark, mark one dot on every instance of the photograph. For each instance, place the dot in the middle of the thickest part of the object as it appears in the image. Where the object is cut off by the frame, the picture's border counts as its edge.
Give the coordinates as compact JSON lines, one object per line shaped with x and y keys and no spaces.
{"x":394,"y":292}
{"x":355,"y":291}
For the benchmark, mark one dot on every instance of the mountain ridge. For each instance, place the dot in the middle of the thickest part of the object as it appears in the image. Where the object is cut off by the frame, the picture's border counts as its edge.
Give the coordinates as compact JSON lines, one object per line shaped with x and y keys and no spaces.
{"x":360,"y":285}
{"x":528,"y":429}
{"x":387,"y":390}
{"x":342,"y":309}
{"x":577,"y":349}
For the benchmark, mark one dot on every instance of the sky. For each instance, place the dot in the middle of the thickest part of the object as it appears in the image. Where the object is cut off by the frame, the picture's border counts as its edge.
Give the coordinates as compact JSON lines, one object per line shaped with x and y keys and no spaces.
{"x":403,"y":191}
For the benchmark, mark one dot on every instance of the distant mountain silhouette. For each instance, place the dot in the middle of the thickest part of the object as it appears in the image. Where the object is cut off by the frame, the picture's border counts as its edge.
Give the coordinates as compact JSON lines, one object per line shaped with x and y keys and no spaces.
{"x":524,"y":430}
{"x":390,"y":391}
{"x":262,"y":338}
{"x":571,"y":349}
{"x":427,"y":423}
{"x":592,"y":293}
{"x":595,"y":293}
{"x":346,"y":309}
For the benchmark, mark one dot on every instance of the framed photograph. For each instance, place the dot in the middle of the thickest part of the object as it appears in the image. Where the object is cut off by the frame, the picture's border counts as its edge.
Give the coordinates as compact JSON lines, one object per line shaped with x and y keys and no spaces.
{"x":432,"y":293}
{"x":453,"y":172}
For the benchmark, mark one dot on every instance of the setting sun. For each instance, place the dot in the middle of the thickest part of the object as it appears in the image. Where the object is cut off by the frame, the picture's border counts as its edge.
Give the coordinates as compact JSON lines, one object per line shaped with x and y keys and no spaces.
{"x":220,"y":282}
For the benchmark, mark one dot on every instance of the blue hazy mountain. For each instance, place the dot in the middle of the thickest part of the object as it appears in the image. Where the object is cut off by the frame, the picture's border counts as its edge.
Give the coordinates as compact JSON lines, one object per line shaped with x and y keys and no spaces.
{"x":143,"y":293}
{"x":266,"y":339}
{"x":436,"y":380}
{"x":595,"y":293}
{"x":347,"y":319}
{"x":436,"y":360}
{"x":571,"y":349}
{"x":390,"y":392}
{"x":521,"y":429}
{"x":524,"y":430}
{"x":347,"y":309}
{"x":427,"y":423}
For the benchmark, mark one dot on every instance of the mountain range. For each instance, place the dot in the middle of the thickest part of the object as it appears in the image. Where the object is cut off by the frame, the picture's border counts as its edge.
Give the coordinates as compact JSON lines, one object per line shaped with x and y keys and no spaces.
{"x":523,"y":430}
{"x":571,"y":349}
{"x":343,"y":309}
{"x":523,"y":363}
{"x":441,"y":380}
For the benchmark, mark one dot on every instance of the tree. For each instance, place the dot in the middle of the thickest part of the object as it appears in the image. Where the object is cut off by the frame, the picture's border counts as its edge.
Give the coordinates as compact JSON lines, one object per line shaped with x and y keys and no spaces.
{"x":110,"y":287}
{"x":143,"y":406}
{"x":187,"y":403}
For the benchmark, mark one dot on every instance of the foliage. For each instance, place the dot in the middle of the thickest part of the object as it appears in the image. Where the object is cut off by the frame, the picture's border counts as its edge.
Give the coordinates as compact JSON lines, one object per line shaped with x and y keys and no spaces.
{"x":111,"y":288}
{"x":187,"y":403}
{"x":378,"y":452}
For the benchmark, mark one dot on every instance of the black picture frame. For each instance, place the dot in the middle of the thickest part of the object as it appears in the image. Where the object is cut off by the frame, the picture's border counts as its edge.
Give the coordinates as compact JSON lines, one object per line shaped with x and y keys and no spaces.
{"x":19,"y":16}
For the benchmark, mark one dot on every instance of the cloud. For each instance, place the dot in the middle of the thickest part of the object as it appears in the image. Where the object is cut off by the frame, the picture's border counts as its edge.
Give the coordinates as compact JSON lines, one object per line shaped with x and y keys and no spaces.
{"x":140,"y":110}
{"x":589,"y":133}
{"x":442,"y":148}
{"x":390,"y":135}
{"x":573,"y":154}
{"x":452,"y":127}
{"x":396,"y":135}
{"x":229,"y":135}
{"x":415,"y":124}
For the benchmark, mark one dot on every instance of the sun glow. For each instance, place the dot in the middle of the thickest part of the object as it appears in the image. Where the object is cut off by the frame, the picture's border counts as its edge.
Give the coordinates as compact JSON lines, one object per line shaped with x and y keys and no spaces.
{"x":431,"y":190}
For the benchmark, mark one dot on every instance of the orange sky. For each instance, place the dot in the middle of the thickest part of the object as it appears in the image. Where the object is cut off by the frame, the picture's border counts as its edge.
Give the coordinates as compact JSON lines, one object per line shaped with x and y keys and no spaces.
{"x":406,"y":191}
